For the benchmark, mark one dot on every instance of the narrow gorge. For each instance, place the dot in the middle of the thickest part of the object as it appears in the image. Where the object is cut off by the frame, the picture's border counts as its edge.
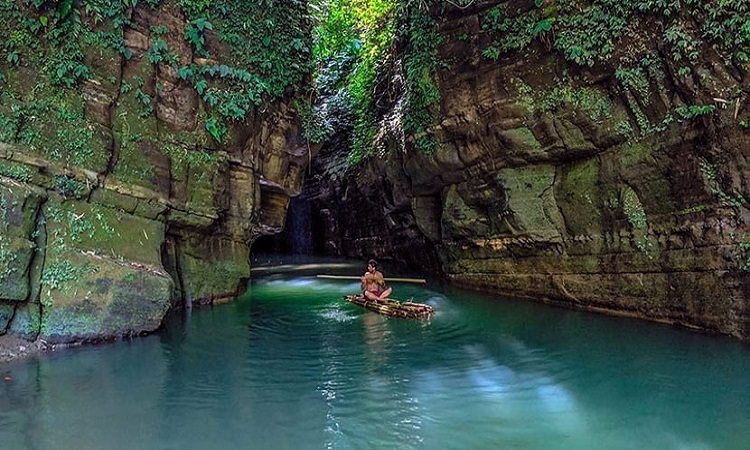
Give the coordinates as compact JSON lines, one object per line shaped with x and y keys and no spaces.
{"x":589,"y":154}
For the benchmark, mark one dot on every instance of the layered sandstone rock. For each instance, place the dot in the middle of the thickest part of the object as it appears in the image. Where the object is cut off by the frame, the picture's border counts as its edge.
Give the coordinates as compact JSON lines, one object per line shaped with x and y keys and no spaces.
{"x":565,"y":183}
{"x":116,"y":203}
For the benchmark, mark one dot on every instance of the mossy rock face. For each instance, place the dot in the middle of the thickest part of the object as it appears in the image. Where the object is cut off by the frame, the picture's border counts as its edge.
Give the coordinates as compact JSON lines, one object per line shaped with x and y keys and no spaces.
{"x":104,"y":231}
{"x":636,"y":164}
{"x":531,"y":200}
{"x":15,"y":258}
{"x":460,"y":220}
{"x":577,"y":195}
{"x":213,"y":269}
{"x":519,"y":142}
{"x":51,"y":122}
{"x":26,"y":321}
{"x":102,"y":275}
{"x":110,"y":198}
{"x":100,"y":298}
{"x":19,"y":206}
{"x":114,"y":129}
{"x":6,"y":314}
{"x":136,"y":132}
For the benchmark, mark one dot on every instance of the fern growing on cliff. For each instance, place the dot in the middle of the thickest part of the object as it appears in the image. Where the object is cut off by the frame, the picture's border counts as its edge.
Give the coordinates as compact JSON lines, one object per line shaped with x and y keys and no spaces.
{"x":368,"y":33}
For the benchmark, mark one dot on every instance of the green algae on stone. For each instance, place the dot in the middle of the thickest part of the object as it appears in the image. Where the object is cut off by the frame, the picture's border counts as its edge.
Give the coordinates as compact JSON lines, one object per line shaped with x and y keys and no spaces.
{"x":19,"y":205}
{"x":26,"y":321}
{"x":460,"y":220}
{"x":636,"y":215}
{"x":7,"y":309}
{"x":104,"y":231}
{"x":530,"y":199}
{"x":106,"y":300}
{"x":51,"y":122}
{"x":213,"y":269}
{"x":520,"y":141}
{"x":15,"y":259}
{"x":578,"y":195}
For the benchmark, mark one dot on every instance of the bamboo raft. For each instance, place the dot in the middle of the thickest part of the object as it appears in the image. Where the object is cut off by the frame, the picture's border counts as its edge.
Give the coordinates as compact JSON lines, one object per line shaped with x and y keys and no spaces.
{"x":394,"y":308}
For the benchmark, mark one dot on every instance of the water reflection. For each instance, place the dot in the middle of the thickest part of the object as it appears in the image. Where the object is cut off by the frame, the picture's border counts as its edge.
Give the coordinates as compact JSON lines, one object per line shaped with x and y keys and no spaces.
{"x":292,"y":365}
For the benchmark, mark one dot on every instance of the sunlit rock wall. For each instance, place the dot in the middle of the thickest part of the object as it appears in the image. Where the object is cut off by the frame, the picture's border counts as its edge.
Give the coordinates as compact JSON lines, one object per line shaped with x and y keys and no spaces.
{"x":620,"y":187}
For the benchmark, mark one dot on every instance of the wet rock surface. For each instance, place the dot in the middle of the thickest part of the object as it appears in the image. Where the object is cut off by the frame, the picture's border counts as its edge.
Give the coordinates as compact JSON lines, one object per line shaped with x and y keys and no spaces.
{"x":563,"y":183}
{"x":13,"y":347}
{"x":121,"y":204}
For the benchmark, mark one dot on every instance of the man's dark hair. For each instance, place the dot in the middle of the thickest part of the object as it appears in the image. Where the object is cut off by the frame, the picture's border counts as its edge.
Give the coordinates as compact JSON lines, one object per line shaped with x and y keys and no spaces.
{"x":372,"y":263}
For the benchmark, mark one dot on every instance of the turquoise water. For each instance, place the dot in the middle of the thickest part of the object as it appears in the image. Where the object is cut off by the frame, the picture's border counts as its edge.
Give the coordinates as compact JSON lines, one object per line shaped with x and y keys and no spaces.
{"x":291,"y":365}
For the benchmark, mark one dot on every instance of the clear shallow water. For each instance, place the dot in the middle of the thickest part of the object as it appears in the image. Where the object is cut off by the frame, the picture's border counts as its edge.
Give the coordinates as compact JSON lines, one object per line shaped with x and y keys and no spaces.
{"x":291,"y":365}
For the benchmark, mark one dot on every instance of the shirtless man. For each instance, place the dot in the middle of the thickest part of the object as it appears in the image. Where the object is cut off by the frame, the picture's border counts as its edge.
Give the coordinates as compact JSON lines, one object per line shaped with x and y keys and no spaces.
{"x":373,"y":284}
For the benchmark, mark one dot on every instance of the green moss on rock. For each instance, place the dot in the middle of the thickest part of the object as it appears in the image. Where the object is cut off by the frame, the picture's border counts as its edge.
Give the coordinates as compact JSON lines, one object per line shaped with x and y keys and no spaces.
{"x":27,"y":320}
{"x":213,"y":268}
{"x":578,"y":196}
{"x":7,"y":310}
{"x":107,"y":298}
{"x":531,"y":201}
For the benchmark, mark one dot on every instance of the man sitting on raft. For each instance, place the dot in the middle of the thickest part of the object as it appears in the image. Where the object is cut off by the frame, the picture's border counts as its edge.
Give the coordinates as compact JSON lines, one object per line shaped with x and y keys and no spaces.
{"x":373,"y":284}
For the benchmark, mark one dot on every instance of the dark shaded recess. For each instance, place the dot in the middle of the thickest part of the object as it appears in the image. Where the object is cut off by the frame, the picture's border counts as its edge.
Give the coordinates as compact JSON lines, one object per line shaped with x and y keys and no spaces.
{"x":302,"y":233}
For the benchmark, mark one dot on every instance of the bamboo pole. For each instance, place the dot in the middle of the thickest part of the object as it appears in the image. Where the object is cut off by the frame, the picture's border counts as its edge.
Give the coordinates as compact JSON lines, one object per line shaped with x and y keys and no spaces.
{"x":400,"y":280}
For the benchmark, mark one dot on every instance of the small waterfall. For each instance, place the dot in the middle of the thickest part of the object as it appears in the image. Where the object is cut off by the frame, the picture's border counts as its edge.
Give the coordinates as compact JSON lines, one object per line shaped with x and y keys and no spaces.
{"x":299,"y":226}
{"x":297,"y":236}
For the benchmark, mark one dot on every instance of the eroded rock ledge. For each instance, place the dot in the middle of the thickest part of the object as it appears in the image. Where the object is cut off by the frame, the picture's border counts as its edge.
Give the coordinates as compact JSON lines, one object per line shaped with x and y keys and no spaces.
{"x":620,"y":188}
{"x":116,"y":202}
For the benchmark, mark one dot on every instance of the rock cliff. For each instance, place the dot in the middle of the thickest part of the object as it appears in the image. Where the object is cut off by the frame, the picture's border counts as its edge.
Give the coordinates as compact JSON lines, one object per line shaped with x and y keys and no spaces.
{"x":589,"y":154}
{"x":143,"y":147}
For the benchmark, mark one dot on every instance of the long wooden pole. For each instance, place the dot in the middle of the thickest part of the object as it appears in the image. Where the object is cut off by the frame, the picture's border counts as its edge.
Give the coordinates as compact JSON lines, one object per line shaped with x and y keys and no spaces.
{"x":400,"y":280}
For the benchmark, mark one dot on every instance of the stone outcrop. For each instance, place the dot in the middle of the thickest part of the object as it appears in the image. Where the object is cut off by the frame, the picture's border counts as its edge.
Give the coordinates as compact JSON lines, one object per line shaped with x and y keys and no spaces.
{"x":620,"y":188}
{"x":116,"y":202}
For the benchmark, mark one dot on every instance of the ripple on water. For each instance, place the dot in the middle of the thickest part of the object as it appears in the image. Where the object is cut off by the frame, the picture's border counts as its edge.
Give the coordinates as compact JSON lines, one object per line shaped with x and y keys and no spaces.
{"x":337,"y":315}
{"x":292,"y":365}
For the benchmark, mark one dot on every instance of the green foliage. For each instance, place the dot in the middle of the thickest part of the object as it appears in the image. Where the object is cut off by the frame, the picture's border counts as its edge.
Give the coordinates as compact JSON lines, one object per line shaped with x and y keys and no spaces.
{"x":194,"y":34}
{"x":159,"y":53}
{"x":362,"y":31}
{"x":194,"y":8}
{"x":421,"y":62}
{"x":515,"y":32}
{"x":54,"y":125}
{"x":62,"y":275}
{"x":216,"y":128}
{"x":144,"y":100}
{"x":591,"y":101}
{"x":15,"y":170}
{"x":684,"y":47}
{"x":694,"y":111}
{"x":624,"y":128}
{"x":354,"y":44}
{"x":317,"y":126}
{"x":589,"y":36}
{"x":69,"y":187}
{"x":711,"y":175}
{"x":587,"y":32}
{"x":634,"y":79}
{"x":199,"y":159}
